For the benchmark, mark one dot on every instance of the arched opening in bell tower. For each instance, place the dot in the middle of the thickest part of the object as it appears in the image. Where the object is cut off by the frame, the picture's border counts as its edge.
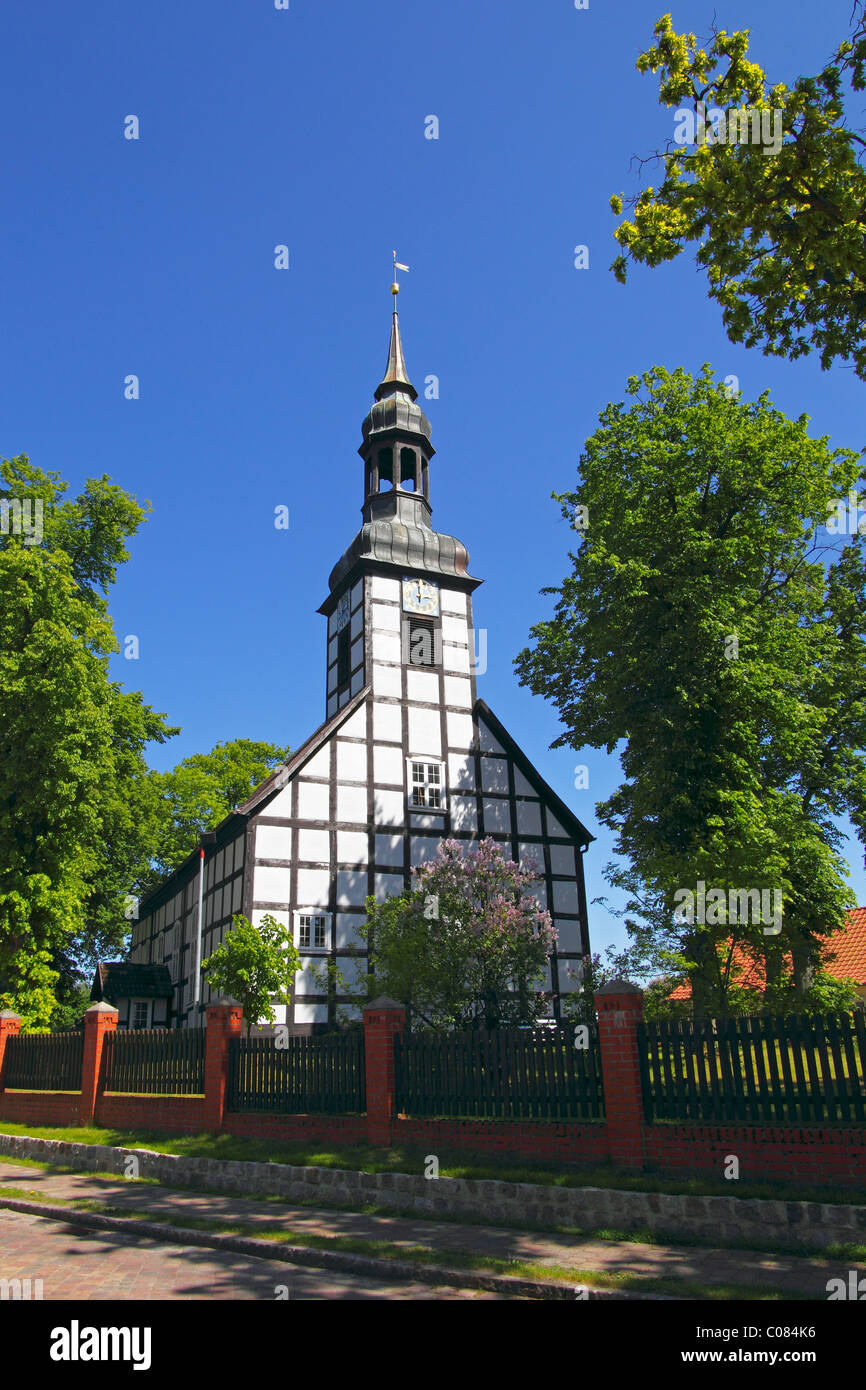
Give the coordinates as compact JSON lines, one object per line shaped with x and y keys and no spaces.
{"x":383,"y":472}
{"x":409,"y":480}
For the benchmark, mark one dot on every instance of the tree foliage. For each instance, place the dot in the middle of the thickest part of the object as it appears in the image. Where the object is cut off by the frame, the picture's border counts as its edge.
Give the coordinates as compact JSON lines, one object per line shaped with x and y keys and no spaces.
{"x":255,"y":966}
{"x":780,"y":231}
{"x":468,"y":946}
{"x":202,"y":790}
{"x":76,"y":808}
{"x":702,"y":633}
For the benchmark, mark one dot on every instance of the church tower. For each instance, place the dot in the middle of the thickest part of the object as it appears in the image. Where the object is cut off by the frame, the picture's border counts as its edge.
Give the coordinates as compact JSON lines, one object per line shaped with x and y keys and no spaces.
{"x":397,"y":541}
{"x":407,"y":755}
{"x":400,"y":609}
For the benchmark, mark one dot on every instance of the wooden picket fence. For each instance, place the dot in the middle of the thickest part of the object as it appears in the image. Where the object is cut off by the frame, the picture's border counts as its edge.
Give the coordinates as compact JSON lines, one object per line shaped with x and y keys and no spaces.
{"x":43,"y":1061}
{"x":519,"y":1073}
{"x":758,"y":1070}
{"x":286,"y":1075}
{"x":166,"y":1062}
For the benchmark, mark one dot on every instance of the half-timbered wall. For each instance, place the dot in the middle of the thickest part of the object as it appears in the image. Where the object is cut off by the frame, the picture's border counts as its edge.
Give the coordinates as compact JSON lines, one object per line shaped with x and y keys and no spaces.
{"x":166,"y":933}
{"x":343,"y":827}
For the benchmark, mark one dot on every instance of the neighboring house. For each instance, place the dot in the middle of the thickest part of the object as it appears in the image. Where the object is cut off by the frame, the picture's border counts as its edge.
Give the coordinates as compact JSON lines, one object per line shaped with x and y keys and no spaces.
{"x":407,"y":755}
{"x":142,"y":994}
{"x":844,"y":956}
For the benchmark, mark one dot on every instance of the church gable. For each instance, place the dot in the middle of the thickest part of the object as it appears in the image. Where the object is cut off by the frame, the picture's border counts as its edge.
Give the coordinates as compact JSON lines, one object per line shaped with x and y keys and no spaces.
{"x":516,"y":806}
{"x":528,"y":786}
{"x":340,"y":823}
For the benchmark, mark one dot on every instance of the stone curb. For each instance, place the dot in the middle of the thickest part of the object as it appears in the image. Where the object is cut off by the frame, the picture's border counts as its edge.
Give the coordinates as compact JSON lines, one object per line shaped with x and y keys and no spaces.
{"x":340,"y":1260}
{"x":782,"y":1223}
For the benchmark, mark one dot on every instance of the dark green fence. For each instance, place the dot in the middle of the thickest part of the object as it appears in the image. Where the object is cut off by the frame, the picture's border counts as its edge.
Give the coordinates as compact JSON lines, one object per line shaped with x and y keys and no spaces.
{"x":43,"y":1062}
{"x":298,"y":1075}
{"x":155,"y":1062}
{"x":519,"y":1073}
{"x":757,"y":1070}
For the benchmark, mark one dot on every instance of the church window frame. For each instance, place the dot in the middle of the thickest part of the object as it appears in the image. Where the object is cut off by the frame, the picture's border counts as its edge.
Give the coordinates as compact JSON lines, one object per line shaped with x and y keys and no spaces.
{"x":427,"y":788}
{"x":312,"y":929}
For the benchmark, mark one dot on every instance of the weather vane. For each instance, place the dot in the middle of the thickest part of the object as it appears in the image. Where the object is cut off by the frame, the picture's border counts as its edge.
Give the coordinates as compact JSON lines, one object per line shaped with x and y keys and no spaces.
{"x":395,"y":288}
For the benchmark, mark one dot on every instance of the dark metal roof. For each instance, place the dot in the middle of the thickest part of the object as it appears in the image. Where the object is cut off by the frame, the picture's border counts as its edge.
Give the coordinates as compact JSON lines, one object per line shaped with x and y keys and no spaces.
{"x":408,"y":546}
{"x":395,"y":408}
{"x":396,"y":412}
{"x":120,"y":979}
{"x":395,"y":369}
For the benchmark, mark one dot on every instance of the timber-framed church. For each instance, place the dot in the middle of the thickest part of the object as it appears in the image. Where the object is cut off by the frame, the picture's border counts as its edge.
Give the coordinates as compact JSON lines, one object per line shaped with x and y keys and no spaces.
{"x":408,"y":754}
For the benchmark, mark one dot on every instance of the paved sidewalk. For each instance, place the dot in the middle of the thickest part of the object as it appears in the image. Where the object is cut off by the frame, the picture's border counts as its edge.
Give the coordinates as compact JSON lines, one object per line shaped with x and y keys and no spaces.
{"x":77,"y":1265}
{"x":781,"y":1274}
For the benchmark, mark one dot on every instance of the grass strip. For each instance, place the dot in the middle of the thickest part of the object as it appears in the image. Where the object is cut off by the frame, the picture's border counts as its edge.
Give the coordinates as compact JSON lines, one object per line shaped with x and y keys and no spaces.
{"x":370,"y":1159}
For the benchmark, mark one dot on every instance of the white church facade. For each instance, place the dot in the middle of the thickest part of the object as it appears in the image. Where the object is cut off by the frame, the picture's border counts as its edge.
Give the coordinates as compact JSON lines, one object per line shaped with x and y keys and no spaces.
{"x":407,"y":755}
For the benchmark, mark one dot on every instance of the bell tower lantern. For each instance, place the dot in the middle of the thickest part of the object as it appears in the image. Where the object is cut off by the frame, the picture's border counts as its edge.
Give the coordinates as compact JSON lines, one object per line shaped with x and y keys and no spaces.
{"x":396,"y":446}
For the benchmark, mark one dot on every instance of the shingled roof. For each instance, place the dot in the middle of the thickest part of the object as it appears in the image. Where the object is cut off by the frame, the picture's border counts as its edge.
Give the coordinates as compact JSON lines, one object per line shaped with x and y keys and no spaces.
{"x":121,"y":980}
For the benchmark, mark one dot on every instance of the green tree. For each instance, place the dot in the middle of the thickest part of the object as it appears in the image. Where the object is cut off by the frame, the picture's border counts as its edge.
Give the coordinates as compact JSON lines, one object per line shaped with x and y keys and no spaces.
{"x":73,"y":780}
{"x":657,"y":1002}
{"x":72,"y":997}
{"x":781,"y":227}
{"x":702,"y":634}
{"x":255,"y":966}
{"x":202,"y":790}
{"x":468,"y":946}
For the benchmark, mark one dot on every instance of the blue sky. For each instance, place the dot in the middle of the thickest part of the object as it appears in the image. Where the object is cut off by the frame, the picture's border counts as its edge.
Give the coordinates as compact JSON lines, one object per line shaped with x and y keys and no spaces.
{"x":306,"y":127}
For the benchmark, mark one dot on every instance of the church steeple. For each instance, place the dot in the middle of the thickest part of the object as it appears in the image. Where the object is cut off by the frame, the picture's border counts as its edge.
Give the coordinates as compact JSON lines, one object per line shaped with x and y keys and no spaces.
{"x":396,"y":446}
{"x":396,"y":530}
{"x":395,"y":372}
{"x":396,"y":557}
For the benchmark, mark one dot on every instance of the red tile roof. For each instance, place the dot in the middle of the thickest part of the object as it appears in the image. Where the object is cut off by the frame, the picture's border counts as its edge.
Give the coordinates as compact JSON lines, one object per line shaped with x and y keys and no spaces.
{"x":844,"y":956}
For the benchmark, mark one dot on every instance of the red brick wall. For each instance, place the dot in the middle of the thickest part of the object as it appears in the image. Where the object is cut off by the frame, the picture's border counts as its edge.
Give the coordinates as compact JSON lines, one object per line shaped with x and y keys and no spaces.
{"x":810,"y":1155}
{"x":334,"y":1129}
{"x":814,"y":1155}
{"x":551,"y":1140}
{"x":165,"y":1114}
{"x":40,"y":1107}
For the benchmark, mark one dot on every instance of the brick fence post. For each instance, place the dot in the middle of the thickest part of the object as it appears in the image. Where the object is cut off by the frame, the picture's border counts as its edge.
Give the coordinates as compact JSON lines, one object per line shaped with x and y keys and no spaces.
{"x":99,"y":1019}
{"x":224,"y":1022}
{"x":620,"y":1010}
{"x":10,"y":1024}
{"x":384,"y":1019}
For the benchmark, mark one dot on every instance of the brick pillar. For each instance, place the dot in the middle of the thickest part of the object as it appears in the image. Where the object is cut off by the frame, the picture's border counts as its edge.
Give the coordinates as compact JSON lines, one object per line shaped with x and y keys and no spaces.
{"x":99,"y":1019}
{"x":223,"y":1023}
{"x":9,"y":1026}
{"x":383,"y":1020}
{"x":620,"y":1010}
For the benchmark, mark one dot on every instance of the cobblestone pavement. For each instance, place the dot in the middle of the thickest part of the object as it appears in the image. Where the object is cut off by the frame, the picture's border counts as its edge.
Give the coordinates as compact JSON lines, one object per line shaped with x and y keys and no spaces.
{"x":78,"y":1265}
{"x":779,"y":1273}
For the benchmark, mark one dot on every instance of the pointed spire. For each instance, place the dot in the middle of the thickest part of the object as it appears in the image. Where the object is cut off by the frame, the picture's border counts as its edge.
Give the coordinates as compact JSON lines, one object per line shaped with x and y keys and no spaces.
{"x":396,"y":376}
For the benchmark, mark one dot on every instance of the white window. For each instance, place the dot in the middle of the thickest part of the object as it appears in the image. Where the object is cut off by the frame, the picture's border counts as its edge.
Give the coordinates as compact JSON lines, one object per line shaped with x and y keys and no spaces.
{"x":140,"y":1013}
{"x":426,"y":785}
{"x":312,"y":931}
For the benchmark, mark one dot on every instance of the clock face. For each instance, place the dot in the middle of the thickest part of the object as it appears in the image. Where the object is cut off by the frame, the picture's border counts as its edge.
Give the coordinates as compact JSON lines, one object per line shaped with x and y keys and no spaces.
{"x":341,"y":613}
{"x":420,"y":596}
